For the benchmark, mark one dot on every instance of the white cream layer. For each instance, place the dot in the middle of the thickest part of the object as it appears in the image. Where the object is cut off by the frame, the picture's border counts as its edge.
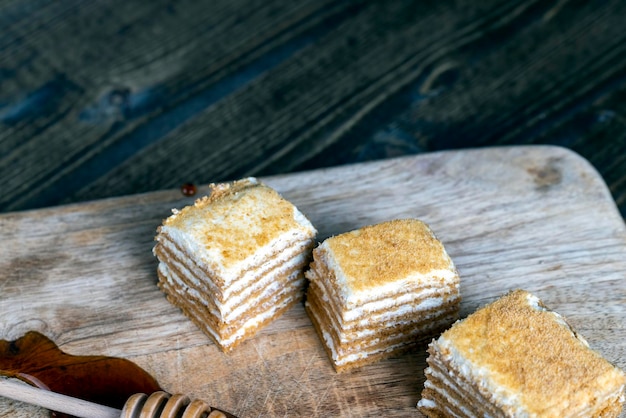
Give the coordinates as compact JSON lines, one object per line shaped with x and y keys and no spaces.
{"x":451,"y":390}
{"x":208,"y":258}
{"x":253,"y":322}
{"x":292,"y":285}
{"x":254,"y":280}
{"x":343,"y":357}
{"x":449,"y":396}
{"x":419,"y":300}
{"x":375,"y":328}
{"x":250,"y":276}
{"x":374,"y":324}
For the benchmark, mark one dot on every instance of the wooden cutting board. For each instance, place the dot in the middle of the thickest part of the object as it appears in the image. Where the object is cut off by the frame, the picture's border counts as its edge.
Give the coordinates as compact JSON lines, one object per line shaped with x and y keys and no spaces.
{"x":538,"y":218}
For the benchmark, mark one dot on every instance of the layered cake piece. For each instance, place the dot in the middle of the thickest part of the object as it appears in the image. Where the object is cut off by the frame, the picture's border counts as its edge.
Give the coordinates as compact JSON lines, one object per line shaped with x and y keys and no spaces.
{"x":380,"y":289}
{"x":516,"y":358}
{"x":233,"y":261}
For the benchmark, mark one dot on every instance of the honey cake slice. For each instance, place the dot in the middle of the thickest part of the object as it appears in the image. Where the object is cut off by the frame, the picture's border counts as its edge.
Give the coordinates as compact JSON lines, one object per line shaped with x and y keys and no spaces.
{"x":516,"y":358}
{"x":374,"y":291}
{"x":222,"y":259}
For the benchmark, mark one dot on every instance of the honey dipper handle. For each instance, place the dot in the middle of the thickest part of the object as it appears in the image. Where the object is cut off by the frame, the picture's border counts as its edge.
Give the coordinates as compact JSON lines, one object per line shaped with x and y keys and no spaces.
{"x":55,"y":401}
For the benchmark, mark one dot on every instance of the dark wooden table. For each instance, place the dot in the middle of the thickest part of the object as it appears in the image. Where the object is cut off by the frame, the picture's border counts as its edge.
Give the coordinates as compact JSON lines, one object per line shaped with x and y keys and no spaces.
{"x":108,"y":98}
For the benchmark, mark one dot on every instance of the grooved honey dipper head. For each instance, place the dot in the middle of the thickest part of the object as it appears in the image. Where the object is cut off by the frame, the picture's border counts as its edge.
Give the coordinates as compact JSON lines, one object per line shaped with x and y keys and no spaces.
{"x":163,"y":405}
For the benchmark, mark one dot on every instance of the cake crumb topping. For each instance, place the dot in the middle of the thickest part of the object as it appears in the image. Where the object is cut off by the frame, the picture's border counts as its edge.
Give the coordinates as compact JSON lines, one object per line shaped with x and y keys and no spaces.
{"x":386,"y":252}
{"x":236,"y":219}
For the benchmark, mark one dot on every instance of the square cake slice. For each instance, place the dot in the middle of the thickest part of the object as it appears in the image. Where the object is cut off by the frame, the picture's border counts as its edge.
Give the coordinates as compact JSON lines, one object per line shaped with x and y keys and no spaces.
{"x":380,"y":289}
{"x":516,"y":358}
{"x":234,"y":260}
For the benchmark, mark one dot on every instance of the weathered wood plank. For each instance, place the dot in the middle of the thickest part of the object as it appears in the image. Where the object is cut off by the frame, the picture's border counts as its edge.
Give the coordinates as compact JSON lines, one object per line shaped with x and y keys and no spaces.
{"x":490,"y":83}
{"x":599,"y":132}
{"x":525,"y":80}
{"x":102,"y":99}
{"x":307,"y":103}
{"x":538,"y":218}
{"x":81,"y":81}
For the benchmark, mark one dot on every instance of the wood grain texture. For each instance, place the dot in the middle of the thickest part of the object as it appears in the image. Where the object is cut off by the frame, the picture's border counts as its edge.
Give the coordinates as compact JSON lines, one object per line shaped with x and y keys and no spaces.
{"x":540,"y":218}
{"x":56,"y":401}
{"x":101,"y":99}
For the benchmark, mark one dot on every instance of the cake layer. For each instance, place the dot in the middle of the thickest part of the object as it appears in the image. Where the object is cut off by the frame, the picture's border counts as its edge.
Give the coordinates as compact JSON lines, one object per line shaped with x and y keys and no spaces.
{"x":360,"y":358}
{"x":404,"y":306}
{"x":169,"y":283}
{"x":292,"y":282}
{"x":413,"y":333}
{"x":252,"y":326}
{"x":228,"y":337}
{"x":229,"y":310}
{"x":457,"y":397}
{"x":353,"y":362}
{"x":214,"y":285}
{"x":321,"y":275}
{"x":391,"y":340}
{"x":378,"y":327}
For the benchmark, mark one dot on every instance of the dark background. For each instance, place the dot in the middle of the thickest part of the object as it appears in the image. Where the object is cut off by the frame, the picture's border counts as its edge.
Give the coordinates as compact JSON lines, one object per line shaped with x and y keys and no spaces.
{"x":107,"y":98}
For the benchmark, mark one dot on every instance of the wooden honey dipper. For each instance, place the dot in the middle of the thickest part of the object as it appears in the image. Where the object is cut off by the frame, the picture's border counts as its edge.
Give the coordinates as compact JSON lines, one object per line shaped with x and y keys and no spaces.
{"x":157,"y":405}
{"x":64,"y":381}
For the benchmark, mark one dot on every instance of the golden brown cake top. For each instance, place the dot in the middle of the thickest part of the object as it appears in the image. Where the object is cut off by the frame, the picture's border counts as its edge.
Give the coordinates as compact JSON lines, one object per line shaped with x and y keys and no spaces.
{"x":530,"y":353}
{"x":379,"y":254}
{"x":235,"y":221}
